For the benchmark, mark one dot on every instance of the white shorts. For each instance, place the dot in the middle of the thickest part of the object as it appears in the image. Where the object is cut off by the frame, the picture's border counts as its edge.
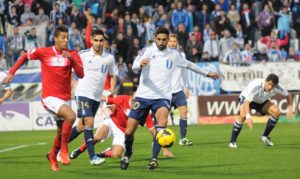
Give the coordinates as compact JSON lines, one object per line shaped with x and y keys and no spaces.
{"x":117,"y":134}
{"x":52,"y":104}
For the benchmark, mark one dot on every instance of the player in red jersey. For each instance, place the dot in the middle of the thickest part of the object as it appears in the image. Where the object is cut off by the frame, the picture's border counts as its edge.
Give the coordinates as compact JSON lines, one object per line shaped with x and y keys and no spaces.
{"x":115,"y":126}
{"x":57,"y":63}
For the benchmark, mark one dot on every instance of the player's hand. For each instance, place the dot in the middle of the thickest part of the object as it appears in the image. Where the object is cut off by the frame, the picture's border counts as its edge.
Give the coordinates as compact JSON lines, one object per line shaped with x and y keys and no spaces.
{"x":87,"y":15}
{"x":144,"y":62}
{"x":186,"y":92}
{"x":213,"y":75}
{"x":66,"y":54}
{"x":8,"y":78}
{"x":103,"y":98}
{"x":249,"y":123}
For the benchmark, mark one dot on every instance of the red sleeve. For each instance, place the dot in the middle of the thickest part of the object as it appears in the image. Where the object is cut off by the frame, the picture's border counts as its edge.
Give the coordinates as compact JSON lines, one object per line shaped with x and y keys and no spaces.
{"x":285,"y":41}
{"x":149,"y":122}
{"x":88,"y":35}
{"x":107,"y":85}
{"x":114,"y":100}
{"x":18,"y":64}
{"x":264,"y":40}
{"x":77,"y":64}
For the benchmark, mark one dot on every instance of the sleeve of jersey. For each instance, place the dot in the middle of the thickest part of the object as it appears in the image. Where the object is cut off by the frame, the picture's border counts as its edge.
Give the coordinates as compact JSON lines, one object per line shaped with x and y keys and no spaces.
{"x":6,"y":86}
{"x":77,"y":65}
{"x":18,"y":64}
{"x":282,"y":90}
{"x":112,"y":67}
{"x":192,"y":66}
{"x":88,"y":35}
{"x":137,"y":61}
{"x":149,"y":122}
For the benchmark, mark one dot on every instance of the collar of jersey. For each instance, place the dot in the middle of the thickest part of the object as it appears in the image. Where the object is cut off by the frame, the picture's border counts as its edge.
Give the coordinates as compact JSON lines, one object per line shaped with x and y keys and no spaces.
{"x":93,"y":54}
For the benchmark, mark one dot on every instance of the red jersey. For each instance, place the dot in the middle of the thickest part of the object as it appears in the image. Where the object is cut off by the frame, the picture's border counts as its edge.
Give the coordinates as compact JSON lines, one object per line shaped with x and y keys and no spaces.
{"x":120,"y":114}
{"x":55,"y":70}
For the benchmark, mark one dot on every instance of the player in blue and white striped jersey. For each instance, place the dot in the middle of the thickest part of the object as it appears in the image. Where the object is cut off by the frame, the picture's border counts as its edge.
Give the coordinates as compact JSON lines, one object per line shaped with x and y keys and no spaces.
{"x":154,"y":93}
{"x":5,"y":87}
{"x":256,"y":96}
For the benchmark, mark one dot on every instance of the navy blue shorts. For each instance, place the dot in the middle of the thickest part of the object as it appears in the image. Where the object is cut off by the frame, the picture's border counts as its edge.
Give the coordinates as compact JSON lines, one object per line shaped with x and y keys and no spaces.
{"x":140,"y":108}
{"x":178,"y":99}
{"x":253,"y":105}
{"x":86,"y":107}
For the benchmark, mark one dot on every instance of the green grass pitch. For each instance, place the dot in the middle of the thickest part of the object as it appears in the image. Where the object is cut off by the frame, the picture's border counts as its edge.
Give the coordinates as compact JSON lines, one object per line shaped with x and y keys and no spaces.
{"x":209,"y":157}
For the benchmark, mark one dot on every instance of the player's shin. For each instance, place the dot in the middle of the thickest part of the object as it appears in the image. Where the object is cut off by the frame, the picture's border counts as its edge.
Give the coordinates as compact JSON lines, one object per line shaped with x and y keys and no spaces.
{"x":156,"y":146}
{"x":270,"y":126}
{"x":65,"y":136}
{"x":237,"y":127}
{"x":89,"y":140}
{"x":128,"y":145}
{"x":183,"y":127}
{"x":75,"y":132}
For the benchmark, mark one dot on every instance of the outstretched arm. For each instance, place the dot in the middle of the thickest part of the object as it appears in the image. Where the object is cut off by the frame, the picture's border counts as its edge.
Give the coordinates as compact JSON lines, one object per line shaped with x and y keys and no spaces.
{"x":6,"y":95}
{"x":23,"y":59}
{"x":197,"y":69}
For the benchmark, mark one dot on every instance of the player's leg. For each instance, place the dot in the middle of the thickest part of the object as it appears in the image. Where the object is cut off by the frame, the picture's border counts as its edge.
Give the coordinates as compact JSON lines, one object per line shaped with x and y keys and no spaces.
{"x":161,"y":109}
{"x":77,"y":130}
{"x":51,"y":156}
{"x":165,"y":151}
{"x":69,"y":116}
{"x":237,"y":127}
{"x":274,"y":112}
{"x":179,"y":102}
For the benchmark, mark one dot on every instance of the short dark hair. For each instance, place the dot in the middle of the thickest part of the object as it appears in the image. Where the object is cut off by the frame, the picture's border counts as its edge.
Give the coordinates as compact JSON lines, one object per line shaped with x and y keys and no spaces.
{"x":273,"y":77}
{"x":97,"y":32}
{"x":59,"y":29}
{"x":162,"y":30}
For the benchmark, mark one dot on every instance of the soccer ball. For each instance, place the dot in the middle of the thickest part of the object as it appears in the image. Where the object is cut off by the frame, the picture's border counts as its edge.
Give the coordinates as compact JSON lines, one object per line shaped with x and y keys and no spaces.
{"x":166,"y":137}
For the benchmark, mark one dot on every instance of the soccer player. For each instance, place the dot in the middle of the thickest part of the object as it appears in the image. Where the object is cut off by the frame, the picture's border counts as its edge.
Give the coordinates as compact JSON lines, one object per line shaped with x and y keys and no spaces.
{"x":97,"y":64}
{"x":4,"y":87}
{"x":57,"y":63}
{"x":157,"y":64}
{"x":178,"y":95}
{"x":256,"y":96}
{"x":115,"y":126}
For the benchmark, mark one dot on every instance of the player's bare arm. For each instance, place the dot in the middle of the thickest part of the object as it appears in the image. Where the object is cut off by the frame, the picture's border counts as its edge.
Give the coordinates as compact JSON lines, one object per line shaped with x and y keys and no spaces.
{"x":289,"y":113}
{"x":213,"y":75}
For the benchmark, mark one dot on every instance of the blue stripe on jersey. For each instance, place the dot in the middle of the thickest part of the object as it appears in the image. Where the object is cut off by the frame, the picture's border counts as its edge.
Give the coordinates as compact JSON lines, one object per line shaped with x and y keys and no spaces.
{"x":254,"y":90}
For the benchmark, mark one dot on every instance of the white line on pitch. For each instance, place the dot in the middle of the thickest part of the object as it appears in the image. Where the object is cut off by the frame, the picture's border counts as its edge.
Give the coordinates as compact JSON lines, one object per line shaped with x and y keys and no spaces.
{"x":21,"y":146}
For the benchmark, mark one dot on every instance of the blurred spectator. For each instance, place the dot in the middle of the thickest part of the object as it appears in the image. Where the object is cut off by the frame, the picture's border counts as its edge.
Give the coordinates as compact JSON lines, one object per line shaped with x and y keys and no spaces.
{"x":274,"y":53}
{"x":211,"y":46}
{"x":203,"y":17}
{"x":133,"y":51}
{"x":3,"y":64}
{"x":158,"y":13}
{"x":206,"y":32}
{"x":265,"y":21}
{"x":56,"y":14}
{"x":292,"y":56}
{"x":171,"y":11}
{"x":41,"y":17}
{"x":3,"y":44}
{"x":197,"y":33}
{"x":128,"y":22}
{"x":248,"y":23}
{"x":205,"y":57}
{"x":261,"y":55}
{"x":225,"y":43}
{"x":13,"y":18}
{"x":32,"y":41}
{"x":15,"y":43}
{"x":274,"y":37}
{"x":78,"y":17}
{"x":63,"y":4}
{"x":142,"y":16}
{"x":149,"y":29}
{"x":182,"y":34}
{"x":215,"y":13}
{"x":233,"y":56}
{"x":239,"y":36}
{"x":247,"y":54}
{"x":191,"y":18}
{"x":179,"y":15}
{"x":224,"y":4}
{"x":233,"y":15}
{"x":76,"y":40}
{"x":122,"y":45}
{"x":27,"y":14}
{"x":221,"y":23}
{"x":193,"y":49}
{"x":50,"y":34}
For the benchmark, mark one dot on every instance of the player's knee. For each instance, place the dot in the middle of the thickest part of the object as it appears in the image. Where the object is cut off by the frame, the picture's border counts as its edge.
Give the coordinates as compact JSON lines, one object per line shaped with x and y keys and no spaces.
{"x":115,"y":154}
{"x":183,"y":112}
{"x":71,"y":116}
{"x":276,"y":113}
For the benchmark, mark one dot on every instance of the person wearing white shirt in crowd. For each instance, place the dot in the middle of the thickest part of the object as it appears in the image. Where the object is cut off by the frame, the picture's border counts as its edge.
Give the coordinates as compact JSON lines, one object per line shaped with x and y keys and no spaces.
{"x":157,"y":64}
{"x":212,"y":47}
{"x":257,"y":96}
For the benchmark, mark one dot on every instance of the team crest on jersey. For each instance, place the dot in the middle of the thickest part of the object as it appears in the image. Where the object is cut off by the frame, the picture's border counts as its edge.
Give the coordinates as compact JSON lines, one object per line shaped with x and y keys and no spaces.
{"x":136,"y":105}
{"x":169,"y":64}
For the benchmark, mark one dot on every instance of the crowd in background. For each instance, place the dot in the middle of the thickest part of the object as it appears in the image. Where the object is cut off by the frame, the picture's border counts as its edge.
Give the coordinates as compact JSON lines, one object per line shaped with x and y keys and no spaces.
{"x":234,"y":32}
